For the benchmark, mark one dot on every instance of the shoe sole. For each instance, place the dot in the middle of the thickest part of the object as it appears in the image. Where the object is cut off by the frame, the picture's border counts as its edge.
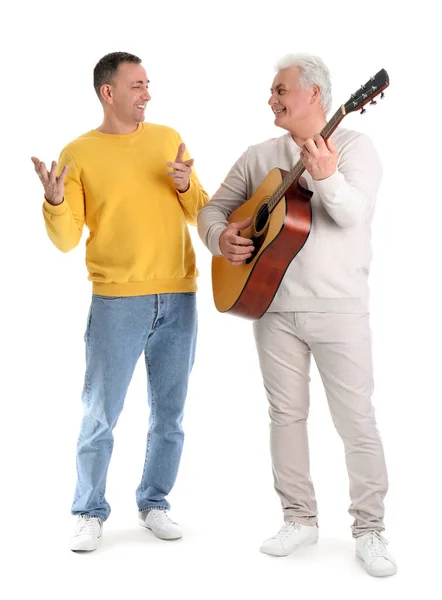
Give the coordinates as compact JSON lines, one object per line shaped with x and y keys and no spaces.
{"x":86,"y":547}
{"x":388,"y":573}
{"x":160,"y":537}
{"x":311,"y":542}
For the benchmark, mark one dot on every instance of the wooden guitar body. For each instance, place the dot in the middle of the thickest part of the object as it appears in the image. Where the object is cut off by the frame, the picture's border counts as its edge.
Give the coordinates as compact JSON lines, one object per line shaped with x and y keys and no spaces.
{"x":248,"y":290}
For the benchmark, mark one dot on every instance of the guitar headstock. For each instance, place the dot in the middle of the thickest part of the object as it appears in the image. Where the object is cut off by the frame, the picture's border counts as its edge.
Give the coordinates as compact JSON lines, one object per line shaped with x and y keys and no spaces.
{"x":368,"y":92}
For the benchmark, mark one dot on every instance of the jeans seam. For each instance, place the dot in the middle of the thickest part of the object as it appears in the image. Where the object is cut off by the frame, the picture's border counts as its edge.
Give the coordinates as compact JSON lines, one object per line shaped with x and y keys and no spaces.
{"x":152,"y":412}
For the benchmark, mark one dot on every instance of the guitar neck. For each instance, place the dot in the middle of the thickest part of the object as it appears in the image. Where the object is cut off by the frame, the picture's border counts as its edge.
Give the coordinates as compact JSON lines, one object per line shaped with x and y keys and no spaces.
{"x":299,"y":168}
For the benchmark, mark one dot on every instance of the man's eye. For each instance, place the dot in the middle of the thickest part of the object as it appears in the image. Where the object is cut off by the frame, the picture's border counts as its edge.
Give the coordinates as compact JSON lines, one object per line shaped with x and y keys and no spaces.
{"x":281,"y":92}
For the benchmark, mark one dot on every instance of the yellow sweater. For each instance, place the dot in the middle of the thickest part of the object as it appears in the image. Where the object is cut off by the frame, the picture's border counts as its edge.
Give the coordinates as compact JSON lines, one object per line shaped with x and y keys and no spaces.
{"x":118,"y":186}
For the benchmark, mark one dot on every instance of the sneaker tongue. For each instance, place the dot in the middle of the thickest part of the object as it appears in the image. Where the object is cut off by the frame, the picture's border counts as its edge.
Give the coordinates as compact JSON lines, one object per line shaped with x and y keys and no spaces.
{"x":377,"y":544}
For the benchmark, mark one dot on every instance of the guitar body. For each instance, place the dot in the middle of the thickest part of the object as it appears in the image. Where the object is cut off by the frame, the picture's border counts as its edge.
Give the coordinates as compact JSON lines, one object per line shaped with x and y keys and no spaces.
{"x":248,"y":290}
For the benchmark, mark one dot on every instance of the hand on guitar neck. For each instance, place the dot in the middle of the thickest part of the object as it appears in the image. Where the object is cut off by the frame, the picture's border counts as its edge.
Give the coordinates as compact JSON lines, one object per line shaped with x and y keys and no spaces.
{"x":319,"y":157}
{"x":235,"y":248}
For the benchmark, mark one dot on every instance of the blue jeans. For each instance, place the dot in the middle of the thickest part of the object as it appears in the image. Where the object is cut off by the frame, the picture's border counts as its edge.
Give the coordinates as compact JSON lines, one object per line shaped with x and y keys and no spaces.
{"x":118,"y":331}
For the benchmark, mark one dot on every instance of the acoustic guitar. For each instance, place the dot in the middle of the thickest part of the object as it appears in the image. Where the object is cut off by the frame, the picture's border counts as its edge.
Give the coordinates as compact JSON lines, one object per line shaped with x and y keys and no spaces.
{"x":281,"y":221}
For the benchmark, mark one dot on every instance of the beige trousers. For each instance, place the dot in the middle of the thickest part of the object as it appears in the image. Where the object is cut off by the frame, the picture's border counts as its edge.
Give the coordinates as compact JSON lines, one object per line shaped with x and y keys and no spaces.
{"x":341,"y":347}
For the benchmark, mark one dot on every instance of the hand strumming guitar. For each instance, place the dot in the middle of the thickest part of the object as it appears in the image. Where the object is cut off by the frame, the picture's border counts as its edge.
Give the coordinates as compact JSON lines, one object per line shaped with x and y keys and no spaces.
{"x":235,"y":248}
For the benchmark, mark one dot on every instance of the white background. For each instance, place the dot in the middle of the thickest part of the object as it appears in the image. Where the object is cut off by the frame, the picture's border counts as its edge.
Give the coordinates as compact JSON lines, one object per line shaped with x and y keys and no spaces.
{"x":211,"y":67}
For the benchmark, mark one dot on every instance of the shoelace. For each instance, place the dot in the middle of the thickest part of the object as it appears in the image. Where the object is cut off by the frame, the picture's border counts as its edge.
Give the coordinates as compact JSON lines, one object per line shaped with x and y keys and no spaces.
{"x":88,"y":526}
{"x":287,"y":529}
{"x":163,"y":517}
{"x":376,"y":544}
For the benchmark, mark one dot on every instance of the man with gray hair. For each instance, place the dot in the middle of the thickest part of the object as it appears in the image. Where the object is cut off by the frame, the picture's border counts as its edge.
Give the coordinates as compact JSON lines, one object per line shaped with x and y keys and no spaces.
{"x":321,"y":307}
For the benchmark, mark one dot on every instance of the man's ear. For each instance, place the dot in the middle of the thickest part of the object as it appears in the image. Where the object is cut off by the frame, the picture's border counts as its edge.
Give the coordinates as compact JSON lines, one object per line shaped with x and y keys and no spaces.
{"x":316,"y":94}
{"x":106,"y":93}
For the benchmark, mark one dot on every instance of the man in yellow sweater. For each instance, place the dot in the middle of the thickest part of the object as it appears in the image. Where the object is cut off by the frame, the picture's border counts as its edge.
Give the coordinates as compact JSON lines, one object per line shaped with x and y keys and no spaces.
{"x":119,"y":180}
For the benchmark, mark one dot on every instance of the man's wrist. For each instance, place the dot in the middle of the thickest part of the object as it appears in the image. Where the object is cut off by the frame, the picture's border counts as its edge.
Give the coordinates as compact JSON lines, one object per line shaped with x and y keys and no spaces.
{"x":184,"y":191}
{"x":53,"y":203}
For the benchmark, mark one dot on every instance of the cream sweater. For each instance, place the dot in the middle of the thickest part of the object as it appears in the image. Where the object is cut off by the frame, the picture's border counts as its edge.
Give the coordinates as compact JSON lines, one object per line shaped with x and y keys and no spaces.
{"x":330,"y":273}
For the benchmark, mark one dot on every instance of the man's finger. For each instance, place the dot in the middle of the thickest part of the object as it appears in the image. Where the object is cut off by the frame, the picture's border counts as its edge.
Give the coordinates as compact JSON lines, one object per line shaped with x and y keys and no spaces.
{"x":36,"y":164}
{"x":237,"y":240}
{"x":243,"y":225}
{"x":331,"y":146}
{"x":320,"y":142}
{"x":53,"y":171}
{"x":240,"y":251}
{"x":310,"y":146}
{"x":180,"y":153}
{"x":240,"y":248}
{"x":43,"y":172}
{"x":178,"y":176}
{"x":62,"y":176}
{"x":178,"y":166}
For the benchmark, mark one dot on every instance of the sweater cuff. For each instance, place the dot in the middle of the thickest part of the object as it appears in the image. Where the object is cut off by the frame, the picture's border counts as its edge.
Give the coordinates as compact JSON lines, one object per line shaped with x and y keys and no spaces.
{"x":57,"y":210}
{"x":213,"y":236}
{"x":188,"y":194}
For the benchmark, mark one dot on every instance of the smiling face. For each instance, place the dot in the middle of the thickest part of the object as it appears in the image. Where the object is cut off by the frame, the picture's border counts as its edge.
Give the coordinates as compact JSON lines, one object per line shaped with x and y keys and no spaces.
{"x":290,"y":102}
{"x":127,"y":96}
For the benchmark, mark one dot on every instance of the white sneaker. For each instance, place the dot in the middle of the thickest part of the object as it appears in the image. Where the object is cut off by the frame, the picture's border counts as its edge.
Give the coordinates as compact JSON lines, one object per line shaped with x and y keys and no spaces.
{"x":371,"y":549}
{"x":161,"y":525}
{"x":87,"y":533}
{"x":290,"y":536}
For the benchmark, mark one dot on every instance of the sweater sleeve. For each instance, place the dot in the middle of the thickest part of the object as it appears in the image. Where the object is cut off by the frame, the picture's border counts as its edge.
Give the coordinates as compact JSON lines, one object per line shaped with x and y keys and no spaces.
{"x":64,"y":222}
{"x":193,"y":200}
{"x":212,"y":220}
{"x":349,"y":195}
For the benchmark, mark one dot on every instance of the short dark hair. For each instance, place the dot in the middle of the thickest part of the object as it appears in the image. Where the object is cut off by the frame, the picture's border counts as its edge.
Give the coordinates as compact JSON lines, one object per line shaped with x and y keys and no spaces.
{"x":107,"y":66}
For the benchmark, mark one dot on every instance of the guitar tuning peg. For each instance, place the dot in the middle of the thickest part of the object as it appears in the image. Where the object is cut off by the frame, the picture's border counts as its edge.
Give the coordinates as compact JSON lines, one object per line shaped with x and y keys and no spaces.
{"x":382,"y":95}
{"x":363,"y":111}
{"x":373,"y":102}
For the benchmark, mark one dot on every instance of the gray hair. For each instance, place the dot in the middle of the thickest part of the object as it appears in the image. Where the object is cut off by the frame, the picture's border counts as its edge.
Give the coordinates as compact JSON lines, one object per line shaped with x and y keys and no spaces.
{"x":313,"y":71}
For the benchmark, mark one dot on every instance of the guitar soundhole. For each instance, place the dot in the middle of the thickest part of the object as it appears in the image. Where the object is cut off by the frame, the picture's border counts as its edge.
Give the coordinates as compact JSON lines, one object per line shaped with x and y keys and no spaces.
{"x":262,"y":218}
{"x":261,"y":226}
